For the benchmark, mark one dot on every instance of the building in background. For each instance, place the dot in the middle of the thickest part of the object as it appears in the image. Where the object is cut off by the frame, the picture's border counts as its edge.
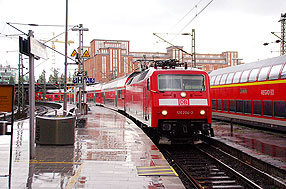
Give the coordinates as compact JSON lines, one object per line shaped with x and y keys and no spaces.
{"x":110,"y":59}
{"x":8,"y":75}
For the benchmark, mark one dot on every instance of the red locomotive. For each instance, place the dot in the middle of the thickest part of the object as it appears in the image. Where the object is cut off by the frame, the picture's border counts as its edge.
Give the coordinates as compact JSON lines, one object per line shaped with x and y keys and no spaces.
{"x":168,"y":102}
{"x":252,"y":93}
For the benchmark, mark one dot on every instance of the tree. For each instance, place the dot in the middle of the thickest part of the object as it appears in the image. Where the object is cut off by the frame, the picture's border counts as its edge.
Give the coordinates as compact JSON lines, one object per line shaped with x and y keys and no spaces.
{"x":53,"y":79}
{"x":11,"y":80}
{"x":42,"y":78}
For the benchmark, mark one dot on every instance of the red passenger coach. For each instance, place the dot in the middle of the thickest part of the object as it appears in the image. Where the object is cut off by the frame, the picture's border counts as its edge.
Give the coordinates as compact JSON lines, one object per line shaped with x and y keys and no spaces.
{"x":252,"y":93}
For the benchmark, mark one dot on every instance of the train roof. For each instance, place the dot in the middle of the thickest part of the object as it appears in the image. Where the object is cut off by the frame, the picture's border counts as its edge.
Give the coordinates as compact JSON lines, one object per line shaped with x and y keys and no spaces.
{"x":119,"y":82}
{"x":252,"y":65}
{"x":94,"y":87}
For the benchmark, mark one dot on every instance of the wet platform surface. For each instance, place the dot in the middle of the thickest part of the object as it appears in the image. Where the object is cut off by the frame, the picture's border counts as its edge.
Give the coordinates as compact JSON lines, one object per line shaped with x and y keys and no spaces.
{"x":267,"y":146}
{"x":106,"y":152}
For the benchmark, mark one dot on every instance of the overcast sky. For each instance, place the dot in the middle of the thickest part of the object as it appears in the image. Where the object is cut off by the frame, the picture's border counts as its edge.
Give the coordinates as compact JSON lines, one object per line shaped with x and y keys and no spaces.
{"x":224,"y":25}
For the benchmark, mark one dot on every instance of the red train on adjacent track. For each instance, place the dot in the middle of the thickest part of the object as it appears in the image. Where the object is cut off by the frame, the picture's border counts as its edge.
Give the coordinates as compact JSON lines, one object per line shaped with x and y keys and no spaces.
{"x":252,"y":93}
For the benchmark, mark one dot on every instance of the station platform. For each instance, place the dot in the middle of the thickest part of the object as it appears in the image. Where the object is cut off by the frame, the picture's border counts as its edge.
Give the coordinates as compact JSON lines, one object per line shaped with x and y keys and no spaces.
{"x":110,"y":151}
{"x":264,"y":145}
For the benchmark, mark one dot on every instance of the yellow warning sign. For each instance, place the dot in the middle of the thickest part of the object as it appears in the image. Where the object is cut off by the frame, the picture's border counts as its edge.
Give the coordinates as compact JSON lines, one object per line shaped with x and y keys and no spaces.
{"x":73,"y":53}
{"x":86,"y":54}
{"x":6,"y":98}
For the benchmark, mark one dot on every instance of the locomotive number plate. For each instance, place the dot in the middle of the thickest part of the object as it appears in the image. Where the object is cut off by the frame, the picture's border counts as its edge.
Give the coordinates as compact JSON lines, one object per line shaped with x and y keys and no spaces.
{"x":184,"y":112}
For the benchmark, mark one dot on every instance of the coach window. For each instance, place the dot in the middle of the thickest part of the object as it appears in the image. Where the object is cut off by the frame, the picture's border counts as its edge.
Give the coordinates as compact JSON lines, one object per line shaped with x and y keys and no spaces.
{"x":274,"y":72}
{"x":217,"y":80}
{"x":247,"y":107}
{"x":214,"y":104}
{"x":263,"y":73}
{"x":279,"y":109}
{"x":223,"y":79}
{"x":225,"y":105}
{"x":253,"y":75}
{"x":239,"y":106}
{"x":283,"y":73}
{"x":232,"y":105}
{"x":267,"y":108}
{"x":229,"y":78}
{"x":256,"y":107}
{"x":236,"y":77}
{"x":213,"y":80}
{"x":219,"y":105}
{"x":244,"y":76}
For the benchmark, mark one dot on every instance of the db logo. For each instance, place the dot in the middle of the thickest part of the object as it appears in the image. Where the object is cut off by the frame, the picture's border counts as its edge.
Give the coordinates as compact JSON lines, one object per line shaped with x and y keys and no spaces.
{"x":183,"y":102}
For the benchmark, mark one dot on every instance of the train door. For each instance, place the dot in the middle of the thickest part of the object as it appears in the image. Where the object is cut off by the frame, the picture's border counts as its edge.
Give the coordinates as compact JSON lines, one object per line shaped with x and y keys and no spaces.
{"x":145,"y":101}
{"x":115,"y":98}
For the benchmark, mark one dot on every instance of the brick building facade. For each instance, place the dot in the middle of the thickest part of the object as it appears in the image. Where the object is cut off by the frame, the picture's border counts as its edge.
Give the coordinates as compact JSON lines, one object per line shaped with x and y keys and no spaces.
{"x":110,"y":59}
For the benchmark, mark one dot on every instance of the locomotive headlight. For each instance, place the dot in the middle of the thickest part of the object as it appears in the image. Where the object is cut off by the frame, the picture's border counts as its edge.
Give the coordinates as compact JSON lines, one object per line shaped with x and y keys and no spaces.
{"x":202,"y":112}
{"x":183,"y":94}
{"x":164,"y":112}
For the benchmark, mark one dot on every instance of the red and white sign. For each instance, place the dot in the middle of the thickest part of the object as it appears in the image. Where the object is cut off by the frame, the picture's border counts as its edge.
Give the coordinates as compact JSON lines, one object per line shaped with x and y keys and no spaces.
{"x":183,"y":102}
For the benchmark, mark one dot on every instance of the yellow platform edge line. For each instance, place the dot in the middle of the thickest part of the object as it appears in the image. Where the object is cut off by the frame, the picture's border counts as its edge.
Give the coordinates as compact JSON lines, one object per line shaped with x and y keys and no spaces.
{"x":43,"y":162}
{"x":174,"y":171}
{"x":149,"y":170}
{"x":163,"y":173}
{"x":153,"y":167}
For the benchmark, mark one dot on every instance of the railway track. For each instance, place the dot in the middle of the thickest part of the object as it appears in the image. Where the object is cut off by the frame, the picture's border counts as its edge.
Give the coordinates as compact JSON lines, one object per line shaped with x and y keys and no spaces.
{"x":204,"y":166}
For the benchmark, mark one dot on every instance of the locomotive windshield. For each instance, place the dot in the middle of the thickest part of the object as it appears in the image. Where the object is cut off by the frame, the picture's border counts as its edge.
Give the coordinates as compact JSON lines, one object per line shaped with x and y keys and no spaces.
{"x":170,"y":82}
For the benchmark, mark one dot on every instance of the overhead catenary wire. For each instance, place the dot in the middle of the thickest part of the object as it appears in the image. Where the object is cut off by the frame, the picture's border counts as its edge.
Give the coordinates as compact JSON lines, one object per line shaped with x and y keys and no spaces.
{"x":194,"y":18}
{"x":187,"y":13}
{"x":40,"y":42}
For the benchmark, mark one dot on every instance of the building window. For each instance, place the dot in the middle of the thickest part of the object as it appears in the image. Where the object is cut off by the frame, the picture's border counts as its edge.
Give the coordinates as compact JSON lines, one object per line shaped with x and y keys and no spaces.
{"x":103,"y":67}
{"x":125,"y":65}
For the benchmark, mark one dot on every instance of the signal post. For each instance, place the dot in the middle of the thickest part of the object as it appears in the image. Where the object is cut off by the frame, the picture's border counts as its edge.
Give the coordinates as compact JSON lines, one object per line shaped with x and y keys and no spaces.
{"x":80,"y":59}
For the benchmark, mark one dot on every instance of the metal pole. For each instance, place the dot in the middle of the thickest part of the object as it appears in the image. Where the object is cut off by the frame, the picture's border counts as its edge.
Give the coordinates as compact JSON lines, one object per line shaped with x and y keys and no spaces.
{"x":32,"y":101}
{"x":80,"y":71}
{"x":194,"y":48}
{"x":66,"y":59}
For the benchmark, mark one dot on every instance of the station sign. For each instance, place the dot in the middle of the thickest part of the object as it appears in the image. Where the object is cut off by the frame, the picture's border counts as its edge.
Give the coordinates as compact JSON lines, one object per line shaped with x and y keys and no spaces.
{"x":79,"y":80}
{"x":38,"y":49}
